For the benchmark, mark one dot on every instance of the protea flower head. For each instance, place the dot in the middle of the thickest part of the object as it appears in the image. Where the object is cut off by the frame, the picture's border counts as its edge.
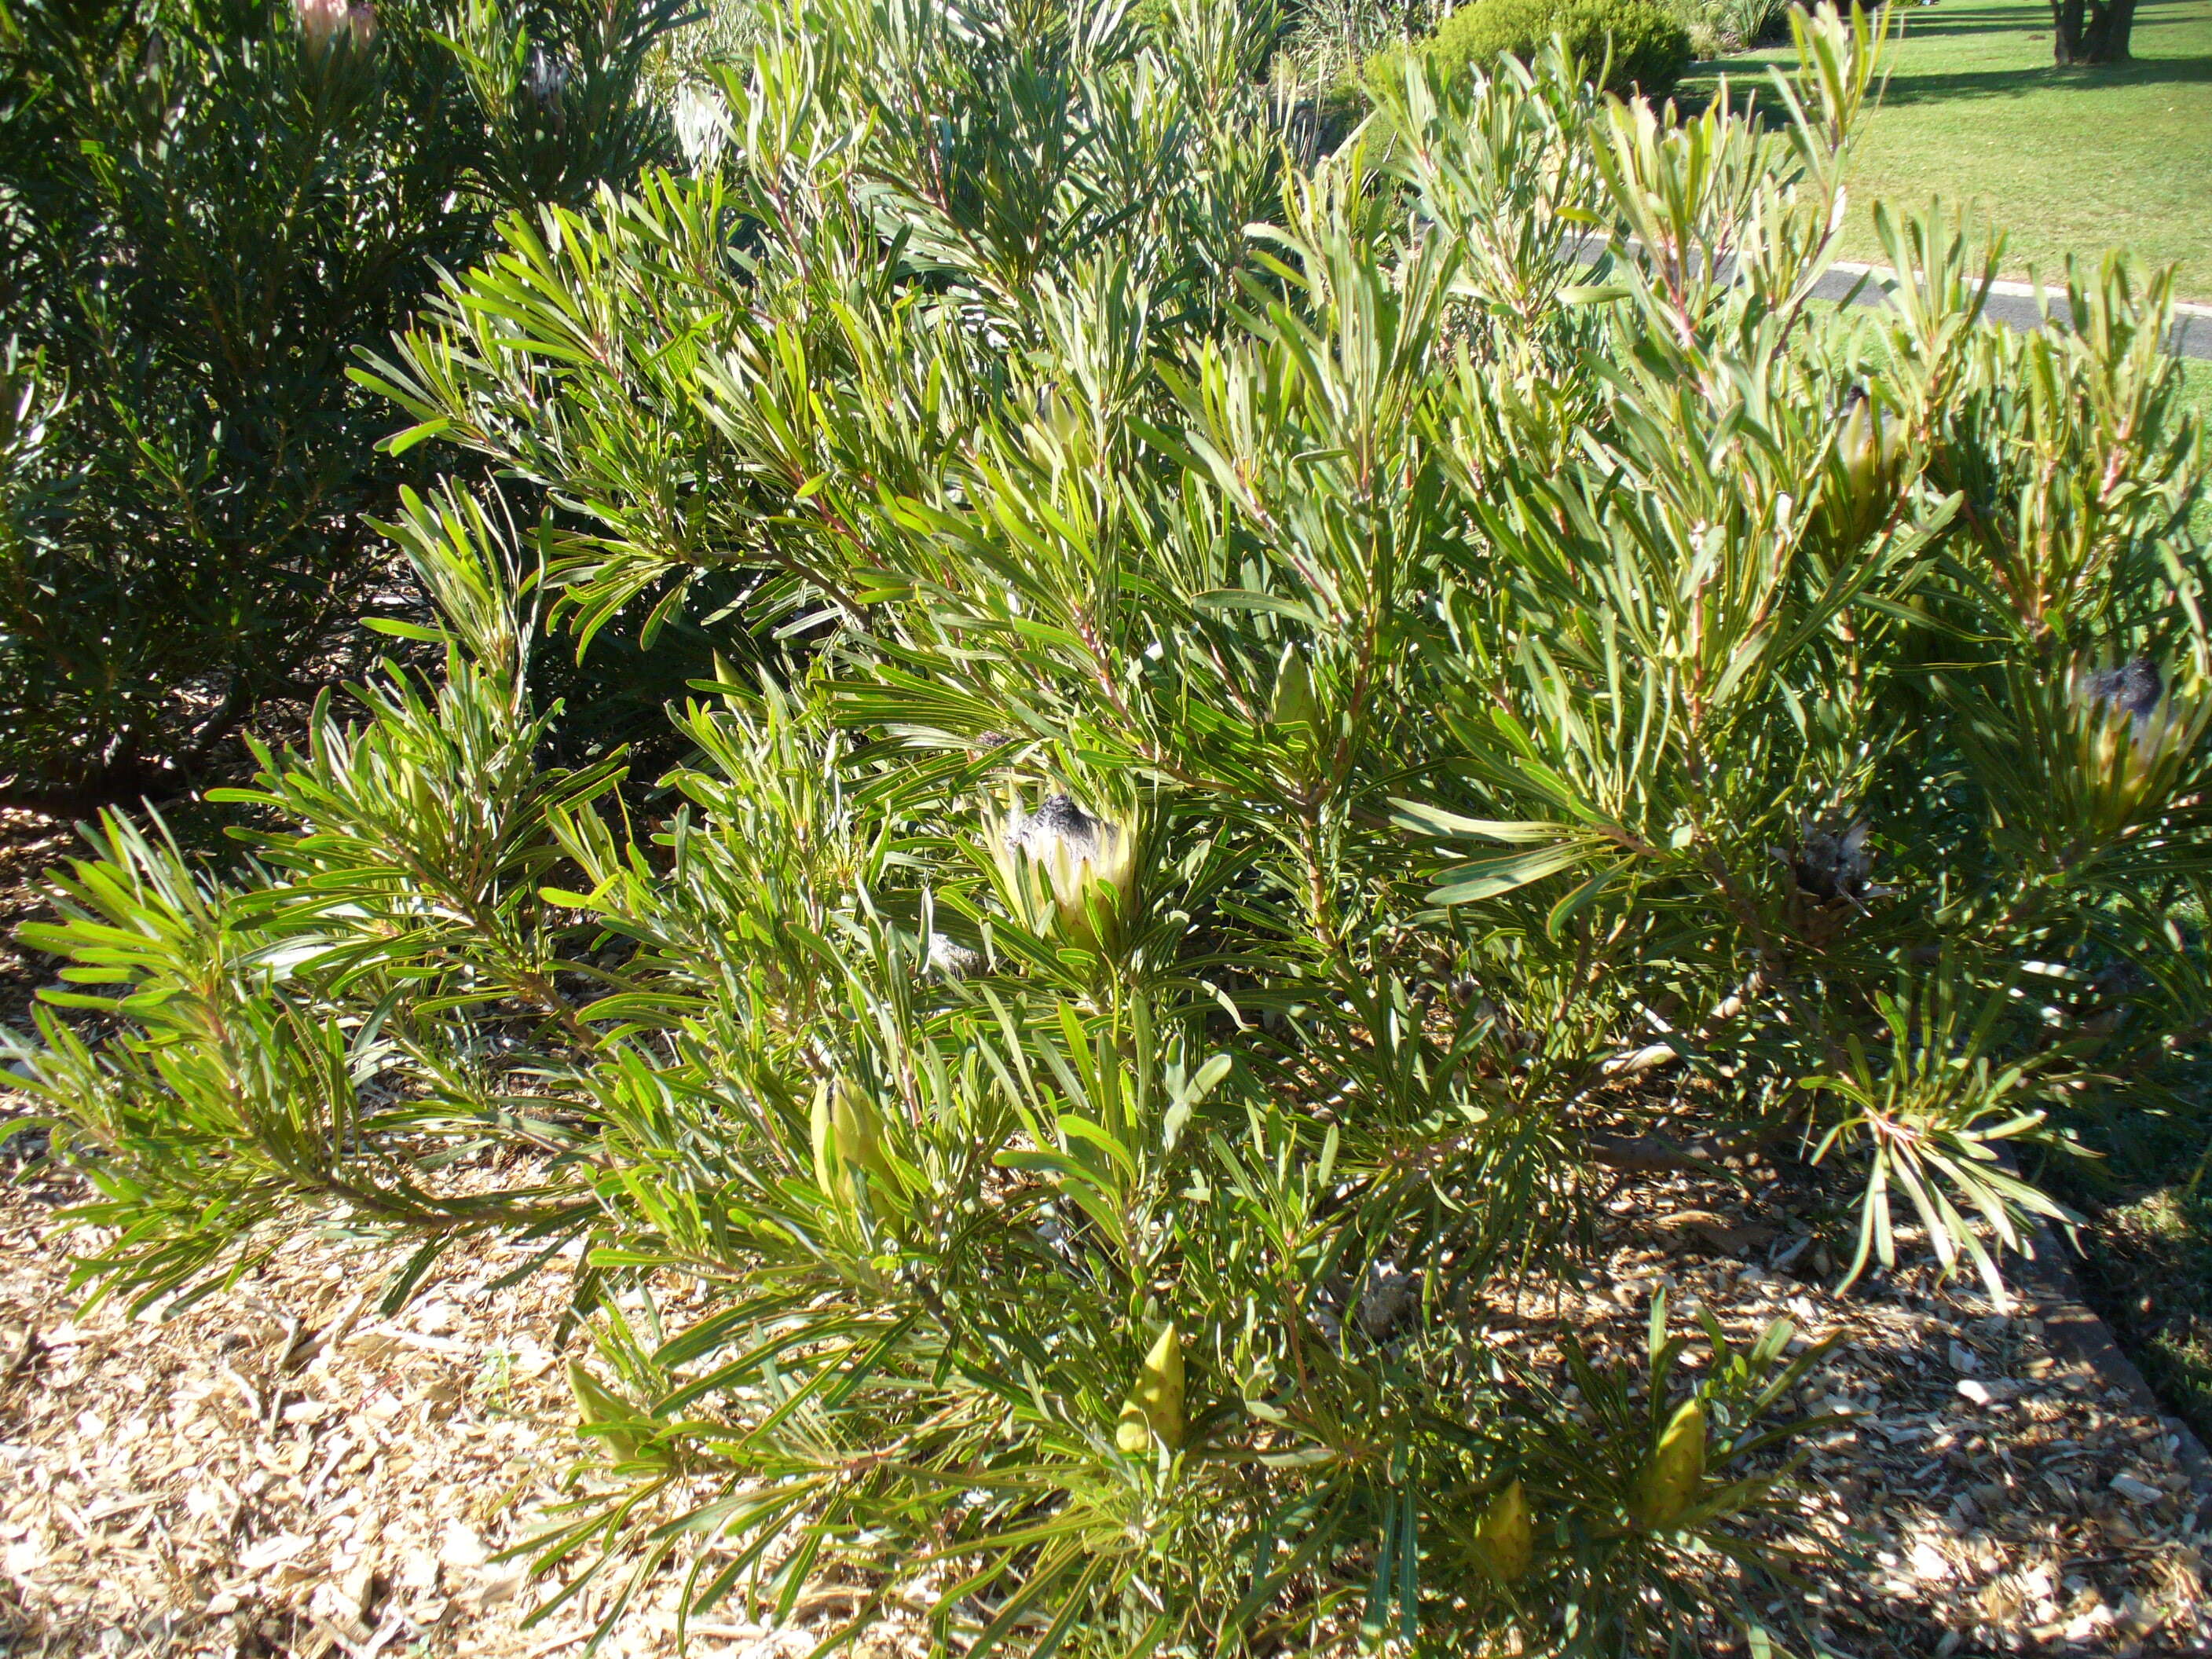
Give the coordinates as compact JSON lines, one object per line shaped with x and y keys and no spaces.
{"x":1089,"y":862}
{"x":2134,"y":689}
{"x":324,"y":23}
{"x":1835,"y":866}
{"x":545,"y":79}
{"x":950,"y":959}
{"x":319,"y":21}
{"x":1391,"y":1301}
{"x":2137,"y":732}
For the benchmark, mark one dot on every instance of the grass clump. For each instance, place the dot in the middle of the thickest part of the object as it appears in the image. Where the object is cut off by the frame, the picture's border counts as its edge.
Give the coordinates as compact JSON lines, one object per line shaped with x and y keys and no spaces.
{"x":2149,"y":1272}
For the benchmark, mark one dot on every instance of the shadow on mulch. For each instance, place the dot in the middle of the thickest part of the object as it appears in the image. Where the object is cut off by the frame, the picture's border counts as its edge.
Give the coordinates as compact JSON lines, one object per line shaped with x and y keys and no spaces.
{"x":2148,"y":1272}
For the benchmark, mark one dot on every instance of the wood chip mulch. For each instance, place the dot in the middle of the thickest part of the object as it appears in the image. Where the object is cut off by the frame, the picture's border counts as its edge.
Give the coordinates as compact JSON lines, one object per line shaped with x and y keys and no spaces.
{"x":278,"y":1472}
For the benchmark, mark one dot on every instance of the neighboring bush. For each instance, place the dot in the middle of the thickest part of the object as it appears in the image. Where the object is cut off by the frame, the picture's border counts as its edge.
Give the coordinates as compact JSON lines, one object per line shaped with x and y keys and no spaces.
{"x":210,"y":206}
{"x":1649,"y":46}
{"x":1720,"y":27}
{"x":1329,"y":40}
{"x":1752,"y":22}
{"x":1273,"y":756}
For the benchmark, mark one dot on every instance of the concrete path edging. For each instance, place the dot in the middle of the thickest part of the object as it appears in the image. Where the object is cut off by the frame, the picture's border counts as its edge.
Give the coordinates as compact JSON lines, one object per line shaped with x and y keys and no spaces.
{"x":2019,"y":304}
{"x":2074,"y":1330}
{"x":2022,"y":305}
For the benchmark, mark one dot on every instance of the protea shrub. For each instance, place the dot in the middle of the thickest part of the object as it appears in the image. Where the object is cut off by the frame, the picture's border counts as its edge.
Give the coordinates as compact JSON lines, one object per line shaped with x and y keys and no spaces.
{"x":1278,"y":719}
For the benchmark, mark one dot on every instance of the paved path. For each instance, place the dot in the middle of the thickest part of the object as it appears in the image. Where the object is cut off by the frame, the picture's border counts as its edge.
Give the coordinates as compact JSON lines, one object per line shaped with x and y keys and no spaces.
{"x":2014,"y":303}
{"x":2017,"y":304}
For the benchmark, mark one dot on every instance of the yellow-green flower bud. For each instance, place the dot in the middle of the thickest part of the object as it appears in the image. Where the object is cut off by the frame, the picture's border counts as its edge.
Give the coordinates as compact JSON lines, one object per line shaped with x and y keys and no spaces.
{"x":1153,"y":1411}
{"x":1677,"y":1468}
{"x":597,"y":1404}
{"x":1295,"y":704}
{"x":848,"y":1135}
{"x":1860,"y":488}
{"x":1505,"y":1537}
{"x":858,"y":1128}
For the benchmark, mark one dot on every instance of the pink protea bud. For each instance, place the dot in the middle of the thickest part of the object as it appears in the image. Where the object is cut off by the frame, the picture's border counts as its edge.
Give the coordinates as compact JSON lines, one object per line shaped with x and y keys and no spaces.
{"x":324,"y":23}
{"x":320,"y":21}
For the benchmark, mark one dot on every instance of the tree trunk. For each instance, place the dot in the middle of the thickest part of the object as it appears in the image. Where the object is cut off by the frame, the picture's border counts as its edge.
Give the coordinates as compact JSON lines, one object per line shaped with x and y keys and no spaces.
{"x":2090,"y":31}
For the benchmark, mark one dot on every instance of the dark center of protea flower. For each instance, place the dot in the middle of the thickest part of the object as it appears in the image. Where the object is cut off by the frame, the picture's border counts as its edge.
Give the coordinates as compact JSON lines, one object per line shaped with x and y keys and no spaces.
{"x":2132,"y":688}
{"x":1831,"y":867}
{"x":1058,"y":818}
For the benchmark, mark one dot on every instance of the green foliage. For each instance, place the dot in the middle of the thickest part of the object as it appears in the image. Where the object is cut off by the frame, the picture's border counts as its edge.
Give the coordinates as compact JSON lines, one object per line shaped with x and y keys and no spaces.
{"x":1641,"y":44}
{"x":2150,"y":1275}
{"x":1328,"y":40}
{"x":1719,"y":27}
{"x":211,"y":205}
{"x":1275,"y":713}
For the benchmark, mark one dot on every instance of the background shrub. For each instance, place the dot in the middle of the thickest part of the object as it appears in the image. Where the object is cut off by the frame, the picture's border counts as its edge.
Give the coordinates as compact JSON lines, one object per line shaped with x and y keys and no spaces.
{"x":1329,"y":40}
{"x":1718,"y":27}
{"x":1651,"y":47}
{"x":211,"y":205}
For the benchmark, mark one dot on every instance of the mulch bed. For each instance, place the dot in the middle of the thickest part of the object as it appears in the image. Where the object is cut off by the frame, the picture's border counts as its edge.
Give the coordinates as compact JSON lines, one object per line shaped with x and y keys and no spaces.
{"x":276,"y":1471}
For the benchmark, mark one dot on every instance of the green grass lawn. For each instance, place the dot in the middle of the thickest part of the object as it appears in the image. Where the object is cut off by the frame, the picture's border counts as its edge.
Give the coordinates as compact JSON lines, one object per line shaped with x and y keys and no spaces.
{"x":2063,"y":161}
{"x":2196,"y":376}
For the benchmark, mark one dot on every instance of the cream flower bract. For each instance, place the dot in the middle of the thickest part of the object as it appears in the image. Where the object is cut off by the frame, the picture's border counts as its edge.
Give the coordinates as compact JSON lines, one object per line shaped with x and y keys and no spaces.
{"x":1089,"y":864}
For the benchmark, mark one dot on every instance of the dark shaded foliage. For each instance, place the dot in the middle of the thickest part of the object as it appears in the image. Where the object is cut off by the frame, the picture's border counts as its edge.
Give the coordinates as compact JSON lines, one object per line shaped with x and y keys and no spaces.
{"x":209,"y":207}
